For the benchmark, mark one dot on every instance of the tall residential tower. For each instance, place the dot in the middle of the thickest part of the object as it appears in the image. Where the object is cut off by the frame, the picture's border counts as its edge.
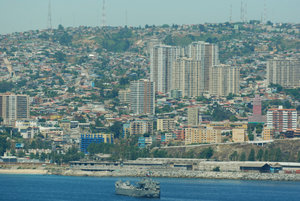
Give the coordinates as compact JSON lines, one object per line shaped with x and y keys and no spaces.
{"x":13,"y":107}
{"x":186,"y":75}
{"x":282,"y":119}
{"x":285,"y":72}
{"x":142,"y":97}
{"x":224,"y":79}
{"x":161,"y":64}
{"x":208,"y":54}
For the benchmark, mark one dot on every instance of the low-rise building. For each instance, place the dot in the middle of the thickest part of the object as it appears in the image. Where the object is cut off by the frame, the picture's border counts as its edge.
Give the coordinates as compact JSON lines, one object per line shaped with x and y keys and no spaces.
{"x":268,"y":133}
{"x":124,"y":96}
{"x":140,"y":127}
{"x":96,"y":138}
{"x":143,"y":142}
{"x":165,"y":124}
{"x":202,"y":135}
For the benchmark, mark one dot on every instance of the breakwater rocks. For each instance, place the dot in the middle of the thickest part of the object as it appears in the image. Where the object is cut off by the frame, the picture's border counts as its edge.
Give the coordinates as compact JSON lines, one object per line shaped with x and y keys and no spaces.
{"x":187,"y":174}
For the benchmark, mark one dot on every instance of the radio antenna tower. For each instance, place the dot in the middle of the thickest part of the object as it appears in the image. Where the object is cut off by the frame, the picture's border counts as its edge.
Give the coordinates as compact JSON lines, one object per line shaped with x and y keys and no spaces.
{"x":245,"y":12}
{"x":230,"y":14}
{"x":49,"y":24}
{"x":265,"y":12}
{"x":126,"y":18}
{"x":242,"y":11}
{"x":103,"y":14}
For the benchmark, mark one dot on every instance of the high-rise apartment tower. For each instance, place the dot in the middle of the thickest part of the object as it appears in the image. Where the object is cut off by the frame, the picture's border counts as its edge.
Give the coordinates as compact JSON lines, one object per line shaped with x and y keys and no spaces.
{"x":13,"y":107}
{"x":224,"y":79}
{"x":142,"y":97}
{"x":208,"y":54}
{"x":285,"y":72}
{"x":282,"y":119}
{"x":161,"y":62}
{"x":186,"y":76}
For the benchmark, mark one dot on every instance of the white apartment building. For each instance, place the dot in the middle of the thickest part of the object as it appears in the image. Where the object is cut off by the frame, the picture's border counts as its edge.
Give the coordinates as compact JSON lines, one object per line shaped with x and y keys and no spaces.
{"x":284,"y":71}
{"x":281,"y":119}
{"x":162,"y":58}
{"x":208,"y":54}
{"x":186,"y":76}
{"x":225,"y":79}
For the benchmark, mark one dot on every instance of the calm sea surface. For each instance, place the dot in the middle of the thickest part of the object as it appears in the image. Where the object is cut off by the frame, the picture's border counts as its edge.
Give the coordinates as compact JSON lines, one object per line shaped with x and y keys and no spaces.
{"x":54,"y":188}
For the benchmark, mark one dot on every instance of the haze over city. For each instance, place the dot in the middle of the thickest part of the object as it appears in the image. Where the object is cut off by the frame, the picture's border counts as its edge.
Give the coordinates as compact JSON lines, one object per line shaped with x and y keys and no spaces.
{"x":21,"y":15}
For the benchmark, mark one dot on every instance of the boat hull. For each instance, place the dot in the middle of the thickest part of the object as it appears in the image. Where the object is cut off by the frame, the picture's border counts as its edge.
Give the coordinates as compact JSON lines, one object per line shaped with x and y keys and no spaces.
{"x":138,"y":193}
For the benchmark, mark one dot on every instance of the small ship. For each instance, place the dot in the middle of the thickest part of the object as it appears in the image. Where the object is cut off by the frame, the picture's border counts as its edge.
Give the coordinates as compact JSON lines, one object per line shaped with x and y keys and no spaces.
{"x":145,"y":188}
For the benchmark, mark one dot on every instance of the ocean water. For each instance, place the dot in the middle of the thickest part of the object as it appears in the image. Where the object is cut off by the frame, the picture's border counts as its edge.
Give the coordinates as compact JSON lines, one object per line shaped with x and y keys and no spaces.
{"x":62,"y":188}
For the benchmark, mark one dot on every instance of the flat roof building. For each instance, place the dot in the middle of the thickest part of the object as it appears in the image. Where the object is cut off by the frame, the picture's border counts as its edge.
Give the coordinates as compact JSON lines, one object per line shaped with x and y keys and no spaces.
{"x":14,"y":107}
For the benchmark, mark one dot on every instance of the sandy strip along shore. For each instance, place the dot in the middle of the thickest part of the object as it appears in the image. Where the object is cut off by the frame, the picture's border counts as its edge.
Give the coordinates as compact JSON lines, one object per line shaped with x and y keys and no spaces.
{"x":23,"y":171}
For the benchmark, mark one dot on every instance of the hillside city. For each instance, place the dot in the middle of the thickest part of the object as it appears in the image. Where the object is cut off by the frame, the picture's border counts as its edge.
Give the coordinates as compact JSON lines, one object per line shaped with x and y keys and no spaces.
{"x":124,"y":93}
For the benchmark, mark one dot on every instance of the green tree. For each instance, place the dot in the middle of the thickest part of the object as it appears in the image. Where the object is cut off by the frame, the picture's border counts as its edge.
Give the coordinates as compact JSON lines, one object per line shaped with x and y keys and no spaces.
{"x":65,"y":39}
{"x":243,"y":156}
{"x":72,"y":155}
{"x":278,"y":154}
{"x":260,"y":155}
{"x":159,"y":153}
{"x":21,"y":154}
{"x":206,"y":153}
{"x":251,"y":156}
{"x":220,"y":114}
{"x":116,"y":129}
{"x":3,"y":144}
{"x":60,"y":27}
{"x":6,"y":86}
{"x":259,"y":128}
{"x":216,"y":169}
{"x":43,"y":156}
{"x":233,"y":118}
{"x":124,"y":81}
{"x":55,"y":157}
{"x":234,"y":156}
{"x":189,"y":154}
{"x":250,"y":136}
{"x":31,"y":156}
{"x":60,"y":56}
{"x":266,"y":155}
{"x":169,"y":40}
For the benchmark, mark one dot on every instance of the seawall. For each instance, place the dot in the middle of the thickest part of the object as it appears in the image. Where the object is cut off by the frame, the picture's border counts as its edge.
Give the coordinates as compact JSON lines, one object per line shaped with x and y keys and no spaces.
{"x":187,"y":174}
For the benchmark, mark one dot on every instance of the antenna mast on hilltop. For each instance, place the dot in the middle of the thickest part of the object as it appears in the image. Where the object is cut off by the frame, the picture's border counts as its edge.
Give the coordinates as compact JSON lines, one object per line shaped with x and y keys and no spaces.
{"x":245,"y":12}
{"x":49,"y":24}
{"x":126,"y":18}
{"x":265,"y":12}
{"x":103,"y":14}
{"x":230,"y":14}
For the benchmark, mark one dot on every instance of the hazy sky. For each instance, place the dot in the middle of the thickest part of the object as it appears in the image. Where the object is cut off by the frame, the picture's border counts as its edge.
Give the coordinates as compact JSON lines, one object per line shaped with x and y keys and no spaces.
{"x":22,"y":15}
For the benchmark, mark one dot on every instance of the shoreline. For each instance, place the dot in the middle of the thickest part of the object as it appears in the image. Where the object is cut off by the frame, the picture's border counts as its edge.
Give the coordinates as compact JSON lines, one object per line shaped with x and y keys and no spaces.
{"x":158,"y":173}
{"x":192,"y":174}
{"x":23,"y":171}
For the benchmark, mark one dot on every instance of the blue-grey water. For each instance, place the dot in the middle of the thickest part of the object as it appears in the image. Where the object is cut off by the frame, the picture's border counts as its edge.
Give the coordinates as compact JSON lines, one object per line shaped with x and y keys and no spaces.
{"x":61,"y":188}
